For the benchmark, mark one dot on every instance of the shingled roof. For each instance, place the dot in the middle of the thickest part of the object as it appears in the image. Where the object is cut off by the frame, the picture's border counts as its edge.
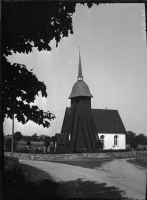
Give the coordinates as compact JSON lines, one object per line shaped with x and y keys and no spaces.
{"x":80,"y":88}
{"x":106,"y":121}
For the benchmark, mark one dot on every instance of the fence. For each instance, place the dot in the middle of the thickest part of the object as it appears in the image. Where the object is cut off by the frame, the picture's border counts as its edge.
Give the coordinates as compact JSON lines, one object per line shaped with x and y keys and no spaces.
{"x":141,"y":157}
{"x":10,"y":162}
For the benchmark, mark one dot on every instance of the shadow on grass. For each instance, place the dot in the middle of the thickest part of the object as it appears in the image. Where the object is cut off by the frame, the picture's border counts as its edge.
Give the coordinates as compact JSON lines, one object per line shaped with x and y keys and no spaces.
{"x":28,"y":182}
{"x":89,"y":189}
{"x":17,"y":187}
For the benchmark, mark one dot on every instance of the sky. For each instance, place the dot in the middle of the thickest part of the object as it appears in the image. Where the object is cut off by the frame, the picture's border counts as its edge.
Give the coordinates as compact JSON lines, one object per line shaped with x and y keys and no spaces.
{"x":114,"y":66}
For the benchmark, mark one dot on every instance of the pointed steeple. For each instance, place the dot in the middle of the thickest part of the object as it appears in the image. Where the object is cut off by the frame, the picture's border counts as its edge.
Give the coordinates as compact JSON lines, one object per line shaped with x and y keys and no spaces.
{"x":80,"y":77}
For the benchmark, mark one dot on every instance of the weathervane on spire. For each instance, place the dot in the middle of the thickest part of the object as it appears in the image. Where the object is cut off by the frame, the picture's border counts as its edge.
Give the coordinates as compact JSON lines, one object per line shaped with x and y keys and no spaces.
{"x":79,"y":48}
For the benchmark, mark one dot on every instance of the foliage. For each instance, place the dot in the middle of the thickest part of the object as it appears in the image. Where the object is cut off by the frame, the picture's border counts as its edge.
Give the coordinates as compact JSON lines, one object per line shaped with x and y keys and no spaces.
{"x":28,"y":143}
{"x":99,"y":145}
{"x":8,"y":144}
{"x":26,"y":138}
{"x":17,"y":136}
{"x":134,"y":144}
{"x":20,"y":88}
{"x":130,"y":137}
{"x":42,"y":137}
{"x":23,"y":30}
{"x":34,"y":137}
{"x":141,"y":139}
{"x":47,"y":141}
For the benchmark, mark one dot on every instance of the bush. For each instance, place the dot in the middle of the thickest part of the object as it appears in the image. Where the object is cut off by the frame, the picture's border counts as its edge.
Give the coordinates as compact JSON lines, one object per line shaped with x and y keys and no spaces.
{"x":28,"y":143}
{"x":8,"y":144}
{"x":134,"y":144}
{"x":99,"y":145}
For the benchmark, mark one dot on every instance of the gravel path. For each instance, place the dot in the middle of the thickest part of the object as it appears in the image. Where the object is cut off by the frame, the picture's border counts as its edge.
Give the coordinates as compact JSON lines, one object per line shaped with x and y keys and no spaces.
{"x":118,"y":173}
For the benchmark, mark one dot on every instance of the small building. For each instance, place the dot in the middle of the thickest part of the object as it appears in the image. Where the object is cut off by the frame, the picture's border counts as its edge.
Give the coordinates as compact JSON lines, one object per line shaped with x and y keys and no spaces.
{"x":110,"y":128}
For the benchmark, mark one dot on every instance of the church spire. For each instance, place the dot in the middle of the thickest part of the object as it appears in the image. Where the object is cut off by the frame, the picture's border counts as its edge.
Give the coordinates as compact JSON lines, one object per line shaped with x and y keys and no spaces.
{"x":80,"y":77}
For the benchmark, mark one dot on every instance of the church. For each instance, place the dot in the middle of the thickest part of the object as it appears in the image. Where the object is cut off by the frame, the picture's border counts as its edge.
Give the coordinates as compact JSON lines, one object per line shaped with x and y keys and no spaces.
{"x":83,"y":126}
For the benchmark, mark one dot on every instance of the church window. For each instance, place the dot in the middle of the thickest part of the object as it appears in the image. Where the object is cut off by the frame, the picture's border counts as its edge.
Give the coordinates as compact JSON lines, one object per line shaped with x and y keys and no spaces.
{"x":102,"y":139}
{"x":115,"y":140}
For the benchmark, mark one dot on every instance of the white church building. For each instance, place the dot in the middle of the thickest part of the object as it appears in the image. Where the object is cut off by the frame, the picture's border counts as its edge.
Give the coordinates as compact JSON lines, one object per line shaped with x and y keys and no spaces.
{"x":110,"y":128}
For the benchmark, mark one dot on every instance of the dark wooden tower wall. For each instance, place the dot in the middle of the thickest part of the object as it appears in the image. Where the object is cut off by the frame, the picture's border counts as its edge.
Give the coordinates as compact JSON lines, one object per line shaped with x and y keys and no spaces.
{"x":81,"y":131}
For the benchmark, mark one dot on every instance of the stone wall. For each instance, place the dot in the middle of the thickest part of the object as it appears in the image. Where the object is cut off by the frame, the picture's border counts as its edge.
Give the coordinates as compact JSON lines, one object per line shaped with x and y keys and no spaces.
{"x":62,"y":157}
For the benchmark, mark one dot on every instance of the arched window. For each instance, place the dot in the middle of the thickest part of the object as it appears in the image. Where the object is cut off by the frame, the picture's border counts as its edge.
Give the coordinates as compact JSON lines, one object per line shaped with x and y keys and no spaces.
{"x":102,"y":139}
{"x":115,"y":140}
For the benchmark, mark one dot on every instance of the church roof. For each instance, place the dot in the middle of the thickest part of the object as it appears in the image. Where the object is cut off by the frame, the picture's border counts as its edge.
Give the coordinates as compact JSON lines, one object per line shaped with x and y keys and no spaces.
{"x":106,"y":121}
{"x":80,"y":88}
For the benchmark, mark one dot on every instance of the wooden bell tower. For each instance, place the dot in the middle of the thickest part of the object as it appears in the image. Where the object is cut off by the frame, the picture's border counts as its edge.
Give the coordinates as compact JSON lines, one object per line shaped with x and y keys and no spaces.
{"x":81,"y":134}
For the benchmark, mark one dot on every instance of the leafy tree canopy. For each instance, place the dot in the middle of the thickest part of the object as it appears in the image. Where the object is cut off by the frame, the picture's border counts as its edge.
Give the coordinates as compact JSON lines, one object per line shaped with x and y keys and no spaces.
{"x":34,"y":137}
{"x":141,"y":139}
{"x":134,"y":144}
{"x":28,"y":143}
{"x":47,"y":141}
{"x":130,"y":136}
{"x":35,"y":24}
{"x":17,"y":136}
{"x":26,"y":25}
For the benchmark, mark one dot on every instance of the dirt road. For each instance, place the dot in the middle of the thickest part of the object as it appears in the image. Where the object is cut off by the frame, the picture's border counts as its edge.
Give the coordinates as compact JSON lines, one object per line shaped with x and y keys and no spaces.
{"x":129,"y":179}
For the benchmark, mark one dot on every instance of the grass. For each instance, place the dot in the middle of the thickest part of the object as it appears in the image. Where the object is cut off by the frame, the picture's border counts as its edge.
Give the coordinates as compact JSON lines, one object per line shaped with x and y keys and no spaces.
{"x":86,"y":163}
{"x":29,"y":183}
{"x":137,"y":163}
{"x":90,"y":189}
{"x":32,"y":183}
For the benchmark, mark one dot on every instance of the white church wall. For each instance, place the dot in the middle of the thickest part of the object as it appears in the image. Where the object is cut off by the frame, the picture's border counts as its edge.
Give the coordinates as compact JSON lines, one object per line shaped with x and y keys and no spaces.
{"x":109,"y":140}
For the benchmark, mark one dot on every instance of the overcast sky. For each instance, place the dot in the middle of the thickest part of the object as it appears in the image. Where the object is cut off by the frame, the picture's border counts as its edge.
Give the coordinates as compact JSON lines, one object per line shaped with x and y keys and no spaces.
{"x":114,"y":64}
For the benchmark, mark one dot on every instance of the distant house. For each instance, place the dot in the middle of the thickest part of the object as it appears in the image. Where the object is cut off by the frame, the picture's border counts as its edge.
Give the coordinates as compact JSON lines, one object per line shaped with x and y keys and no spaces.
{"x":109,"y":125}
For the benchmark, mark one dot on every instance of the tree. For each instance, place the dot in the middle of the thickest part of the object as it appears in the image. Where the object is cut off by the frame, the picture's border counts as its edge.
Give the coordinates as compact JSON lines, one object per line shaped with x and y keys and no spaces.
{"x":134,"y":144}
{"x":34,"y":137}
{"x":24,"y":28}
{"x":41,"y":138}
{"x":20,"y":88}
{"x":26,"y":138}
{"x":141,"y":139}
{"x":17,"y":136}
{"x":99,"y":145}
{"x":8,"y":144}
{"x":47,"y":141}
{"x":28,"y":143}
{"x":130,"y":137}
